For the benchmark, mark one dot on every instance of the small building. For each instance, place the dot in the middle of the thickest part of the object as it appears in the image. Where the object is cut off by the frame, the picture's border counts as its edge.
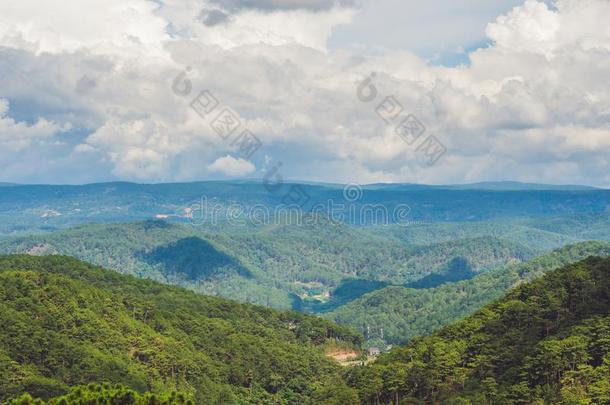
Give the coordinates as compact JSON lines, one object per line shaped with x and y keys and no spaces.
{"x":374,"y":351}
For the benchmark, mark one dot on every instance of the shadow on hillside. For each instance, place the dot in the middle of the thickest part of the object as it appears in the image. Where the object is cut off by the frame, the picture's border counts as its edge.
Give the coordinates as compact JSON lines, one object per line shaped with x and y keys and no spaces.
{"x":346,"y":292}
{"x":457,"y":269}
{"x":194,"y":258}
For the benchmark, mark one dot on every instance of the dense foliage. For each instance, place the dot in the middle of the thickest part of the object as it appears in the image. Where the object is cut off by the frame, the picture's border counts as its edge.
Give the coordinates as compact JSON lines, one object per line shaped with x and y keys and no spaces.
{"x":547,"y":341}
{"x":94,"y":394}
{"x":70,"y":332}
{"x":283,"y":266}
{"x":65,"y":323}
{"x":396,"y":314}
{"x":390,"y":283}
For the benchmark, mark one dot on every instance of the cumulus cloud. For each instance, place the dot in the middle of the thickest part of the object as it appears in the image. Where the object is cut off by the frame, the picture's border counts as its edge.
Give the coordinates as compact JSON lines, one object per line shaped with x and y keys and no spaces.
{"x":236,"y":24}
{"x":102,"y":26}
{"x":235,"y":167}
{"x":16,"y":136}
{"x":138,"y":148}
{"x":535,"y":28}
{"x":533,"y":105}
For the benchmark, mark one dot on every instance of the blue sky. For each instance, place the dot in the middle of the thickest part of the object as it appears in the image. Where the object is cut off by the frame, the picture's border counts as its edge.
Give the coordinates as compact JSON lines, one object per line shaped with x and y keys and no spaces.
{"x":441,"y":31}
{"x":501,"y":89}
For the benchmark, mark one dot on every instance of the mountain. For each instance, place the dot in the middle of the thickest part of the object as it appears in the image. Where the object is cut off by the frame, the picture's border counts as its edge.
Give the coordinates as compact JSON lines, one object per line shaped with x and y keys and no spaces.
{"x":391,"y":283}
{"x":65,"y":323}
{"x":489,"y":186}
{"x":547,"y":341}
{"x":27,"y":208}
{"x":310,"y":268}
{"x":397,"y":314}
{"x":68,"y":324}
{"x":518,"y":186}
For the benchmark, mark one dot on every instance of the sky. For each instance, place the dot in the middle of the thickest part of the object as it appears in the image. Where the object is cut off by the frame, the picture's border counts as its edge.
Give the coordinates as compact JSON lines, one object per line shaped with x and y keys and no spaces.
{"x":341,"y":91}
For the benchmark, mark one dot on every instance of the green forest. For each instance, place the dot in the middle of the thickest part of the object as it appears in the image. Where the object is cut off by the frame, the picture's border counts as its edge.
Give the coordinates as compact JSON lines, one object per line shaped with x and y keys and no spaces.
{"x":282,"y":266}
{"x":483,"y":309}
{"x":391,"y":283}
{"x":304,"y":202}
{"x":396,"y":314}
{"x":106,"y":394}
{"x":65,"y":323}
{"x":73,"y":332}
{"x":545,"y":342}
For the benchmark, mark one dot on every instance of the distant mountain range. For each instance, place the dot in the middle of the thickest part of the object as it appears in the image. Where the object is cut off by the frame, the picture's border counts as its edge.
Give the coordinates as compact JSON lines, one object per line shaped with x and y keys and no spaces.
{"x":489,"y":186}
{"x":50,"y":207}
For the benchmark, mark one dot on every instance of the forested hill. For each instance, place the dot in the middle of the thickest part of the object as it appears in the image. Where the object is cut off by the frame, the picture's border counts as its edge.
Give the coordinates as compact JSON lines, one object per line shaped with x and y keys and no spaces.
{"x":396,"y":314}
{"x":547,"y":341}
{"x":65,"y":323}
{"x":282,"y":266}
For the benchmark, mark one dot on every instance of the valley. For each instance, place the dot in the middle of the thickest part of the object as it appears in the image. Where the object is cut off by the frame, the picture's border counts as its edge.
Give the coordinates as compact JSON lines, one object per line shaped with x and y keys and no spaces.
{"x":352,"y":290}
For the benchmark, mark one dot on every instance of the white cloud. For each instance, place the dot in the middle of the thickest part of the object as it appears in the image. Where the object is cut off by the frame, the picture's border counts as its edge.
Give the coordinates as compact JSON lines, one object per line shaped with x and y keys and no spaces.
{"x":536,"y":28}
{"x":16,"y":136}
{"x":235,"y":167}
{"x":534,"y":105}
{"x":278,"y":5}
{"x":139,"y":148}
{"x":101,"y":26}
{"x":531,"y":27}
{"x":203,"y":23}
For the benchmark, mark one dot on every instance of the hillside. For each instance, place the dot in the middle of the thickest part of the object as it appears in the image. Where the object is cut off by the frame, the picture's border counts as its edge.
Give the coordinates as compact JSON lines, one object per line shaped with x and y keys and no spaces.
{"x":397,"y":314}
{"x":313,"y":268}
{"x":544,"y":342}
{"x":65,"y":323}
